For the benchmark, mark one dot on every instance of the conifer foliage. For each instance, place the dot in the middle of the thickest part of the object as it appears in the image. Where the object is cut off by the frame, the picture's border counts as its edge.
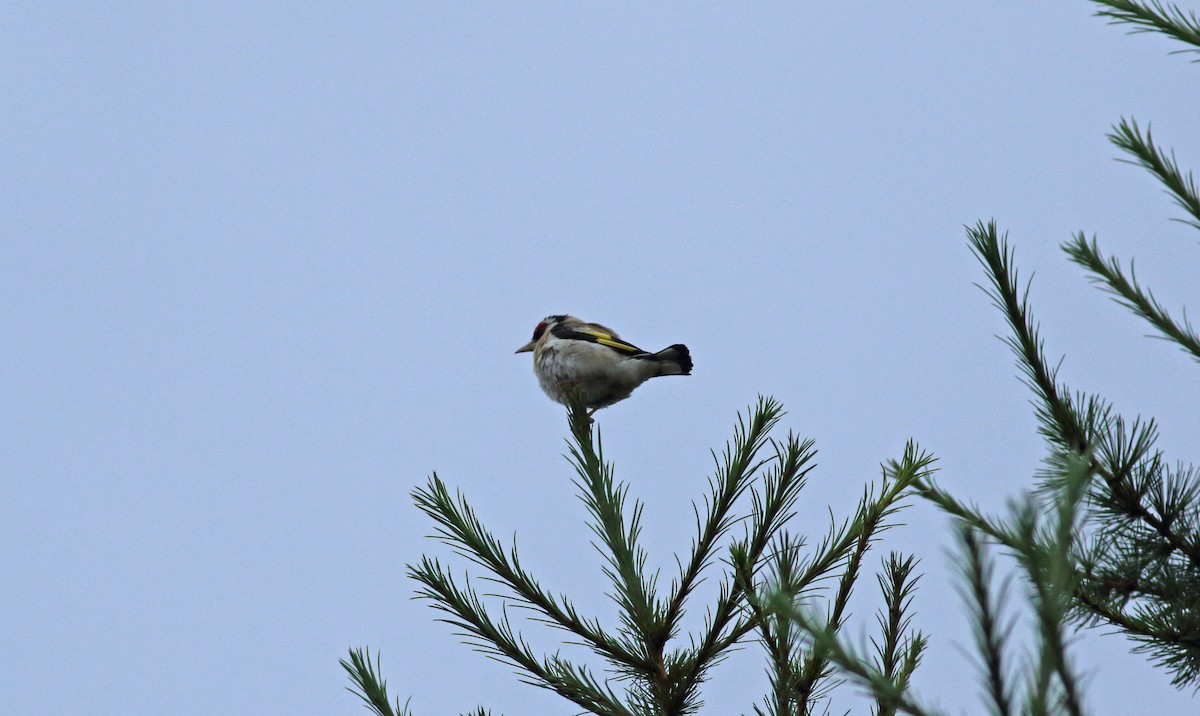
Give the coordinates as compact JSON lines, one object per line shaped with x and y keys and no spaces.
{"x":1136,"y":562}
{"x":645,"y":663}
{"x":1110,"y":537}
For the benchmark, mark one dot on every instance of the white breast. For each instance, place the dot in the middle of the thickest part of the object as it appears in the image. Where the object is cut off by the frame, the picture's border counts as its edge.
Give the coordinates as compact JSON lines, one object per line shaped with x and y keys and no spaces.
{"x":600,"y":375}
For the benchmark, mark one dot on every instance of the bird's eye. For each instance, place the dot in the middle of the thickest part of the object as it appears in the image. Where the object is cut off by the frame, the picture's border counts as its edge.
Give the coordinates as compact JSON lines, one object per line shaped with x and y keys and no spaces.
{"x":537,"y":332}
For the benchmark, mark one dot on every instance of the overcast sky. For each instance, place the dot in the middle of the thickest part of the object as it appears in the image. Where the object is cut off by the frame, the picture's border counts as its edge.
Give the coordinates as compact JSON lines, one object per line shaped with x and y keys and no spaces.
{"x":264,"y":267}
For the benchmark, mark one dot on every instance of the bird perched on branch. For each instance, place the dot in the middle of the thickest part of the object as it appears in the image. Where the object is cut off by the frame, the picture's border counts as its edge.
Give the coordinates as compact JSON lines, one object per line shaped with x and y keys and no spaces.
{"x":590,"y":363}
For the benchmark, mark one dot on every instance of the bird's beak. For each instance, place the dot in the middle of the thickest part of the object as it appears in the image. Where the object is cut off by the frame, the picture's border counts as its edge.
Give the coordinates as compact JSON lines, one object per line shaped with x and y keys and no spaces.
{"x":527,"y":348}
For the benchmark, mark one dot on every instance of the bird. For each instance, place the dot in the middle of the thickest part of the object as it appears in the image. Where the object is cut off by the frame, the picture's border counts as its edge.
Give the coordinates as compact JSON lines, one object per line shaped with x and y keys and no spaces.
{"x":575,"y":360}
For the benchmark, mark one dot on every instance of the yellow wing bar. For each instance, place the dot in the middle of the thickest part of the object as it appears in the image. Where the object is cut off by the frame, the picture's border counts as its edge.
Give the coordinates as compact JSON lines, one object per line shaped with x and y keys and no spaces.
{"x":607,"y":339}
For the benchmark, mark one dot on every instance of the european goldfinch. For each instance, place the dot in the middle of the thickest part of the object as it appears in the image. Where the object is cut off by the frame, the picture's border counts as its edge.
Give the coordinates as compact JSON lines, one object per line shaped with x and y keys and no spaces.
{"x":591,"y":363}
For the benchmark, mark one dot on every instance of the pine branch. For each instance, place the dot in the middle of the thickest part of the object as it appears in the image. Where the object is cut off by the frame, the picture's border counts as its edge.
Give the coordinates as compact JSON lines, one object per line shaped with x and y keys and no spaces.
{"x":372,"y":688}
{"x":1059,"y":423}
{"x":641,"y":612}
{"x":369,"y":685}
{"x":788,"y":696}
{"x":659,"y":682}
{"x":1144,"y":559}
{"x":898,"y":478}
{"x":898,"y":585}
{"x":459,"y":527}
{"x":968,"y":513}
{"x":1127,"y":292}
{"x":1137,"y":496}
{"x":772,"y":508}
{"x":1046,"y":549}
{"x":842,"y":548}
{"x":498,"y":640}
{"x":1181,"y":186}
{"x":857,"y":667}
{"x":734,"y":475}
{"x":802,"y":685}
{"x":989,"y":635}
{"x":1049,"y":564}
{"x":1174,"y":647}
{"x":1062,"y":424}
{"x":815,"y":666}
{"x":1154,"y":16}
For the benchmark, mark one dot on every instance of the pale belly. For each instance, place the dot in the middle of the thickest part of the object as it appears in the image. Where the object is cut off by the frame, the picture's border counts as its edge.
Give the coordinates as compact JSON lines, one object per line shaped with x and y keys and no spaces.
{"x":585,"y":371}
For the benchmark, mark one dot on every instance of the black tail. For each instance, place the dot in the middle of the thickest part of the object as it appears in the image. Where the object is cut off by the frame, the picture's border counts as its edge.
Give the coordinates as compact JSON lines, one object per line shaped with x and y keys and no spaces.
{"x":675,"y":360}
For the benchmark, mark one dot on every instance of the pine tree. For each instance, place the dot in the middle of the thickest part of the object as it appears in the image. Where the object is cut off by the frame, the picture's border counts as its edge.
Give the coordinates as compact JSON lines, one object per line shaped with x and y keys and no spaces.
{"x":647,"y":668}
{"x":1110,"y":536}
{"x":1137,"y":566}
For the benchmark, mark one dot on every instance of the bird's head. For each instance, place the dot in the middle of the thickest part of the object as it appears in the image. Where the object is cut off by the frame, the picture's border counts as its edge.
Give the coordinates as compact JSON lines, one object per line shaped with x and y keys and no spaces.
{"x":544,"y":325}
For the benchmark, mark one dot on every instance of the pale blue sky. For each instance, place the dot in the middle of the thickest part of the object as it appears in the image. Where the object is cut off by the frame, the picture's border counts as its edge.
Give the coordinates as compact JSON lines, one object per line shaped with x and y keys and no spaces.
{"x":264,"y":268}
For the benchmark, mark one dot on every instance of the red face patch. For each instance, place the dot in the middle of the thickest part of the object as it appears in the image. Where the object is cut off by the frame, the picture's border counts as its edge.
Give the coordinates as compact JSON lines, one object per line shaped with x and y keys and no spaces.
{"x":537,"y":332}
